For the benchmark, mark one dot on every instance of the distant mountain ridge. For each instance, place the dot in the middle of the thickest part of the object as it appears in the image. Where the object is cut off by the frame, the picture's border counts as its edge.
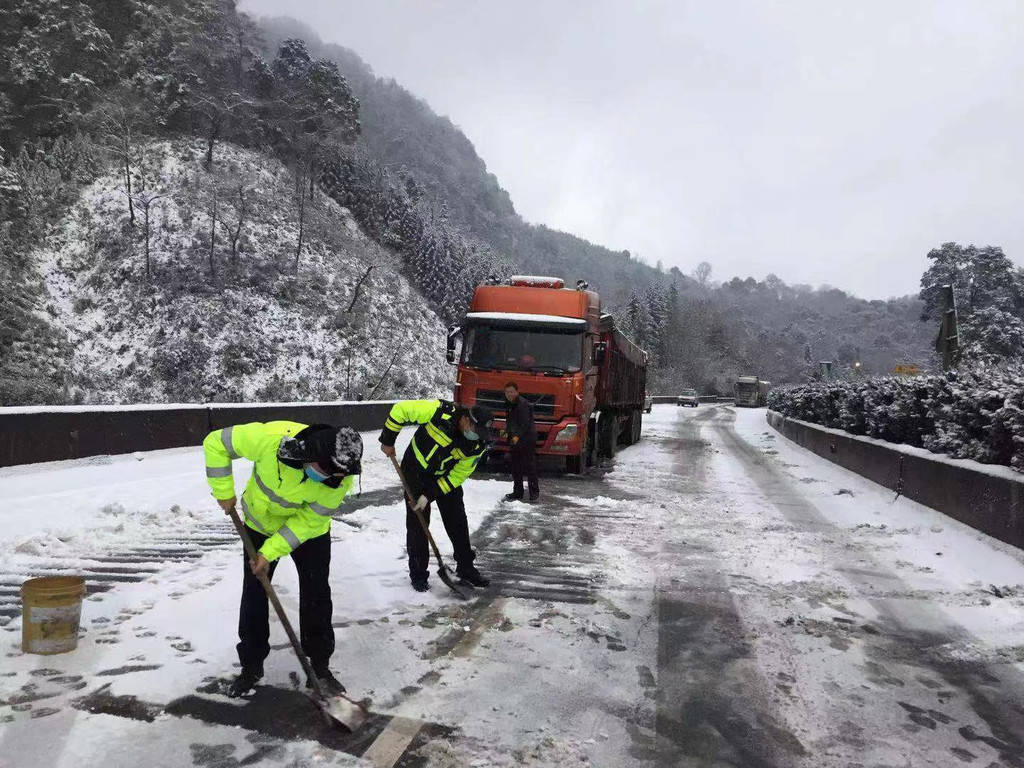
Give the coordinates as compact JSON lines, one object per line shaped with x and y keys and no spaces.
{"x":146,"y":253}
{"x":699,"y":334}
{"x":405,"y":135}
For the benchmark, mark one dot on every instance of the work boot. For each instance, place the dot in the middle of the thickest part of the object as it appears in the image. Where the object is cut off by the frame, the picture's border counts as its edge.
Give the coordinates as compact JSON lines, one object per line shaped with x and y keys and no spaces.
{"x":470,"y":575}
{"x":420,"y":584}
{"x":329,"y":684}
{"x":534,"y":498}
{"x":513,"y":497}
{"x":245,"y":681}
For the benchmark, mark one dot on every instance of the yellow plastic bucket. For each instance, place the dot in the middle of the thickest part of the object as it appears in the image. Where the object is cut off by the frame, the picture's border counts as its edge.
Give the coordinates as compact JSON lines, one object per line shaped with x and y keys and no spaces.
{"x":51,"y":612}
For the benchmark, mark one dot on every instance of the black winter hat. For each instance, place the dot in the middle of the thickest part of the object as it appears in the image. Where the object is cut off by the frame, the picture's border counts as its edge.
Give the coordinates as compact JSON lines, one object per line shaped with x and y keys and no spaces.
{"x":339,"y":449}
{"x":482,"y":417}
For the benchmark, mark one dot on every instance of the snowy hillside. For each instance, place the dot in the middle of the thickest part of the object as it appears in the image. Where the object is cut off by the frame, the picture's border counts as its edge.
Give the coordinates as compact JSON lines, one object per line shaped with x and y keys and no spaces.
{"x":223,"y":310}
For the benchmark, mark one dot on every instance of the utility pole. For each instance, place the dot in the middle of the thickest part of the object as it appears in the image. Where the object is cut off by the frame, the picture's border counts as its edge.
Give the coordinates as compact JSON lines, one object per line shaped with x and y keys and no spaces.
{"x":947,"y":343}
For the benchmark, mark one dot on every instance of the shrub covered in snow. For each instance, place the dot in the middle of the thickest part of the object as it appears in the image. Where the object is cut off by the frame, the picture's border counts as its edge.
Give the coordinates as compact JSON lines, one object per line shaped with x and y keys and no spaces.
{"x":969,"y":414}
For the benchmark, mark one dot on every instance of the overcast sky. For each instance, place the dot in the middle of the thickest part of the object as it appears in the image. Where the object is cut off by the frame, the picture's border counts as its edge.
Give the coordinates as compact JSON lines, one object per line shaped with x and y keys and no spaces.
{"x":826,"y":142}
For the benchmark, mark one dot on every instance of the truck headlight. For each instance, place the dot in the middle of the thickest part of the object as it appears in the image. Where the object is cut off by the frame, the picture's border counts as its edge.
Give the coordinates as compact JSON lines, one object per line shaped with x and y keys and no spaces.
{"x":567,"y":433}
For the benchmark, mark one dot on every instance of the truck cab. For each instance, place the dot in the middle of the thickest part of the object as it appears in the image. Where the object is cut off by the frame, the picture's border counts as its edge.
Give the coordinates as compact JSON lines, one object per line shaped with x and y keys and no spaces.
{"x":752,"y":391}
{"x":553,"y":343}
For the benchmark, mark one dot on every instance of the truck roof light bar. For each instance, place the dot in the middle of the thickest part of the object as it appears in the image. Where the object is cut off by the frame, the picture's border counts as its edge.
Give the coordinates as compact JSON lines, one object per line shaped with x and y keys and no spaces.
{"x":536,"y":281}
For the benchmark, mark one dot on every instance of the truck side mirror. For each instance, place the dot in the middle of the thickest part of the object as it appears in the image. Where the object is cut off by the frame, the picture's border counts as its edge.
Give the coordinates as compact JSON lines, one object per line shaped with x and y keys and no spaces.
{"x":600,"y":347}
{"x":454,"y":332}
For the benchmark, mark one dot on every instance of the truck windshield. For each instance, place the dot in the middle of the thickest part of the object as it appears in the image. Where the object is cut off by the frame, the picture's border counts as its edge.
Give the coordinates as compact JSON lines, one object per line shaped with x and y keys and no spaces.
{"x":746,"y":386}
{"x":543,"y":351}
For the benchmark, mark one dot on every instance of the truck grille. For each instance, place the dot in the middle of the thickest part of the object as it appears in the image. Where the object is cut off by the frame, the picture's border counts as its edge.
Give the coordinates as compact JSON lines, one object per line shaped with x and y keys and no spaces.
{"x":543,"y":405}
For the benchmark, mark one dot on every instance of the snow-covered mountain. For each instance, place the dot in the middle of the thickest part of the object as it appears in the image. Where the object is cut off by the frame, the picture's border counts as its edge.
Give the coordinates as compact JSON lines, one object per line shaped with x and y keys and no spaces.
{"x":251,"y":321}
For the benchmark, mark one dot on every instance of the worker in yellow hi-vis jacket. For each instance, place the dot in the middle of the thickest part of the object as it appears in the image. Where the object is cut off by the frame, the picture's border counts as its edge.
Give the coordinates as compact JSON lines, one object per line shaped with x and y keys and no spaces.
{"x":300,"y":477}
{"x":444,"y":452}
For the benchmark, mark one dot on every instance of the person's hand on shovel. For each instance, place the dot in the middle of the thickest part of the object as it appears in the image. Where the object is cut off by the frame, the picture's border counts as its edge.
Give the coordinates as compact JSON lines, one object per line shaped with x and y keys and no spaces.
{"x":259,"y":565}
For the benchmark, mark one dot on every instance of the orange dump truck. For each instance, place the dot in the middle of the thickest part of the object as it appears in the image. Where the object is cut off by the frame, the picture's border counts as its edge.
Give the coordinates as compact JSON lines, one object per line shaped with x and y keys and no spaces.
{"x":586,"y":380}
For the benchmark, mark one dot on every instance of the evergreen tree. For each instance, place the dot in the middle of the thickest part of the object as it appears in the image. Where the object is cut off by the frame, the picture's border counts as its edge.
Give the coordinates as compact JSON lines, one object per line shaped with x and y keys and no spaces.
{"x":989,"y":293}
{"x":55,"y":59}
{"x":657,"y":310}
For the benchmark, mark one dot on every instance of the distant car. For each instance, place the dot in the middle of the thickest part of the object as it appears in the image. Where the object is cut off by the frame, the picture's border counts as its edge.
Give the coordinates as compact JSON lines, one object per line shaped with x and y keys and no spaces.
{"x":688,"y":397}
{"x":648,"y":403}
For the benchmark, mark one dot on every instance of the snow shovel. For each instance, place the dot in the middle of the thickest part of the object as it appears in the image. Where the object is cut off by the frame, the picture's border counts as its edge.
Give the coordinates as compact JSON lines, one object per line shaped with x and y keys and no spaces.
{"x":442,"y":570}
{"x":337,"y":710}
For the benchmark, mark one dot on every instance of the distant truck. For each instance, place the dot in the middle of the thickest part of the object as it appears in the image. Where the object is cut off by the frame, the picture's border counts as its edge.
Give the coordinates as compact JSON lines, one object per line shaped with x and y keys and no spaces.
{"x":585,"y":379}
{"x":751,"y":391}
{"x":688,"y":397}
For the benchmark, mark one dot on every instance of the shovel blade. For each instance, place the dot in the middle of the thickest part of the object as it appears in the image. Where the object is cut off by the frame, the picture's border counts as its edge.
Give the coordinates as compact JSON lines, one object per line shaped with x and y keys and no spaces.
{"x":446,"y":577}
{"x":344,"y":711}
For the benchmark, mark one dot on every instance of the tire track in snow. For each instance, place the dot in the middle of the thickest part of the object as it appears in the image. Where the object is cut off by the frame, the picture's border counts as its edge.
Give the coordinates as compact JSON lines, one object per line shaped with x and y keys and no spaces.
{"x":105,"y":571}
{"x":711,"y":707}
{"x":913,"y":634}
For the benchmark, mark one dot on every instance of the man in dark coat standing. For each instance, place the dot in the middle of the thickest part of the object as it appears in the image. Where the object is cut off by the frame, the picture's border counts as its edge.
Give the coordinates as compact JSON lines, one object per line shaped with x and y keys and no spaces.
{"x":521,"y":433}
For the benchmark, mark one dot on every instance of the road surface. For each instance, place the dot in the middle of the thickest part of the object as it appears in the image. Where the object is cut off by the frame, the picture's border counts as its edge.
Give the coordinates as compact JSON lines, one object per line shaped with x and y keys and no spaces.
{"x":717,"y":597}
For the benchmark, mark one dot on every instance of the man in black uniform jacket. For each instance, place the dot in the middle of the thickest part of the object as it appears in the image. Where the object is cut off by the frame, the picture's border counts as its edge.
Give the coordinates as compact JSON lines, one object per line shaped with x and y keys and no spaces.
{"x":521,"y":433}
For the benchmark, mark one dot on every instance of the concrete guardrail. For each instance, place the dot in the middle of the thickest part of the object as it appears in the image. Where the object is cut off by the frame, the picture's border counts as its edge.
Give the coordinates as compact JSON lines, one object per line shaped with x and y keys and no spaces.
{"x":34,"y":434}
{"x":663,"y":399}
{"x":987,"y":497}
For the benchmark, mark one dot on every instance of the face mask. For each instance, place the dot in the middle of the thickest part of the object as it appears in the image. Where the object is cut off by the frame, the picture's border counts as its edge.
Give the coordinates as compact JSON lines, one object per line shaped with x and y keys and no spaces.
{"x":315,"y":474}
{"x":472,"y":436}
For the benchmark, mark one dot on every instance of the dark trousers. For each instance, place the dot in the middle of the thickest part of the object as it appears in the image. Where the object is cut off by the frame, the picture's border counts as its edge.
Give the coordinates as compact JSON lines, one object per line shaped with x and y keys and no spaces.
{"x":524,"y":462}
{"x":312,"y":560}
{"x":453,"y":515}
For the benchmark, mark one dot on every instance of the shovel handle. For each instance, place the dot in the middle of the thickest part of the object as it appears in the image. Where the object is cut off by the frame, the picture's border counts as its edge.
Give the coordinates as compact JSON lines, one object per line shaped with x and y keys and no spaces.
{"x":250,"y":550}
{"x":419,"y":516}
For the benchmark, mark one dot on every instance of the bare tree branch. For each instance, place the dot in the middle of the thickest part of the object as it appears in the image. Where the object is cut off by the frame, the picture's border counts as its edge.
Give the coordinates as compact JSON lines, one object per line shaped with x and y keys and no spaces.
{"x":359,"y":285}
{"x":385,"y":374}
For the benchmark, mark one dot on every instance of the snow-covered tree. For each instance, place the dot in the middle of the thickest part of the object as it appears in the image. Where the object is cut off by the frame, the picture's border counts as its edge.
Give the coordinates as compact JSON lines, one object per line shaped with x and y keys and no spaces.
{"x":54,"y":59}
{"x":975,"y":413}
{"x":989,"y":293}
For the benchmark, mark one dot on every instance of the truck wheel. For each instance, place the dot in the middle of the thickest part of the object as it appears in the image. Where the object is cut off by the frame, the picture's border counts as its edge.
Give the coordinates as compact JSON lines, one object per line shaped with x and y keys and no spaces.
{"x":632,"y":431}
{"x":629,"y":429}
{"x":607,"y":435}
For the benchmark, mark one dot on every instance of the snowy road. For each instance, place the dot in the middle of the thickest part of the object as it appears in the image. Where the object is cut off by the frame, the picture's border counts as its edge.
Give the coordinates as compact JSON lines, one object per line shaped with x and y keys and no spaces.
{"x":720,"y":597}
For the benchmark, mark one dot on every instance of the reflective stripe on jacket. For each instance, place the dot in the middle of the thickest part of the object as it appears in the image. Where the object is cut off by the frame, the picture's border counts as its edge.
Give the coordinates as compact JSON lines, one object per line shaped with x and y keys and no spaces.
{"x":279,"y":501}
{"x":440,"y":449}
